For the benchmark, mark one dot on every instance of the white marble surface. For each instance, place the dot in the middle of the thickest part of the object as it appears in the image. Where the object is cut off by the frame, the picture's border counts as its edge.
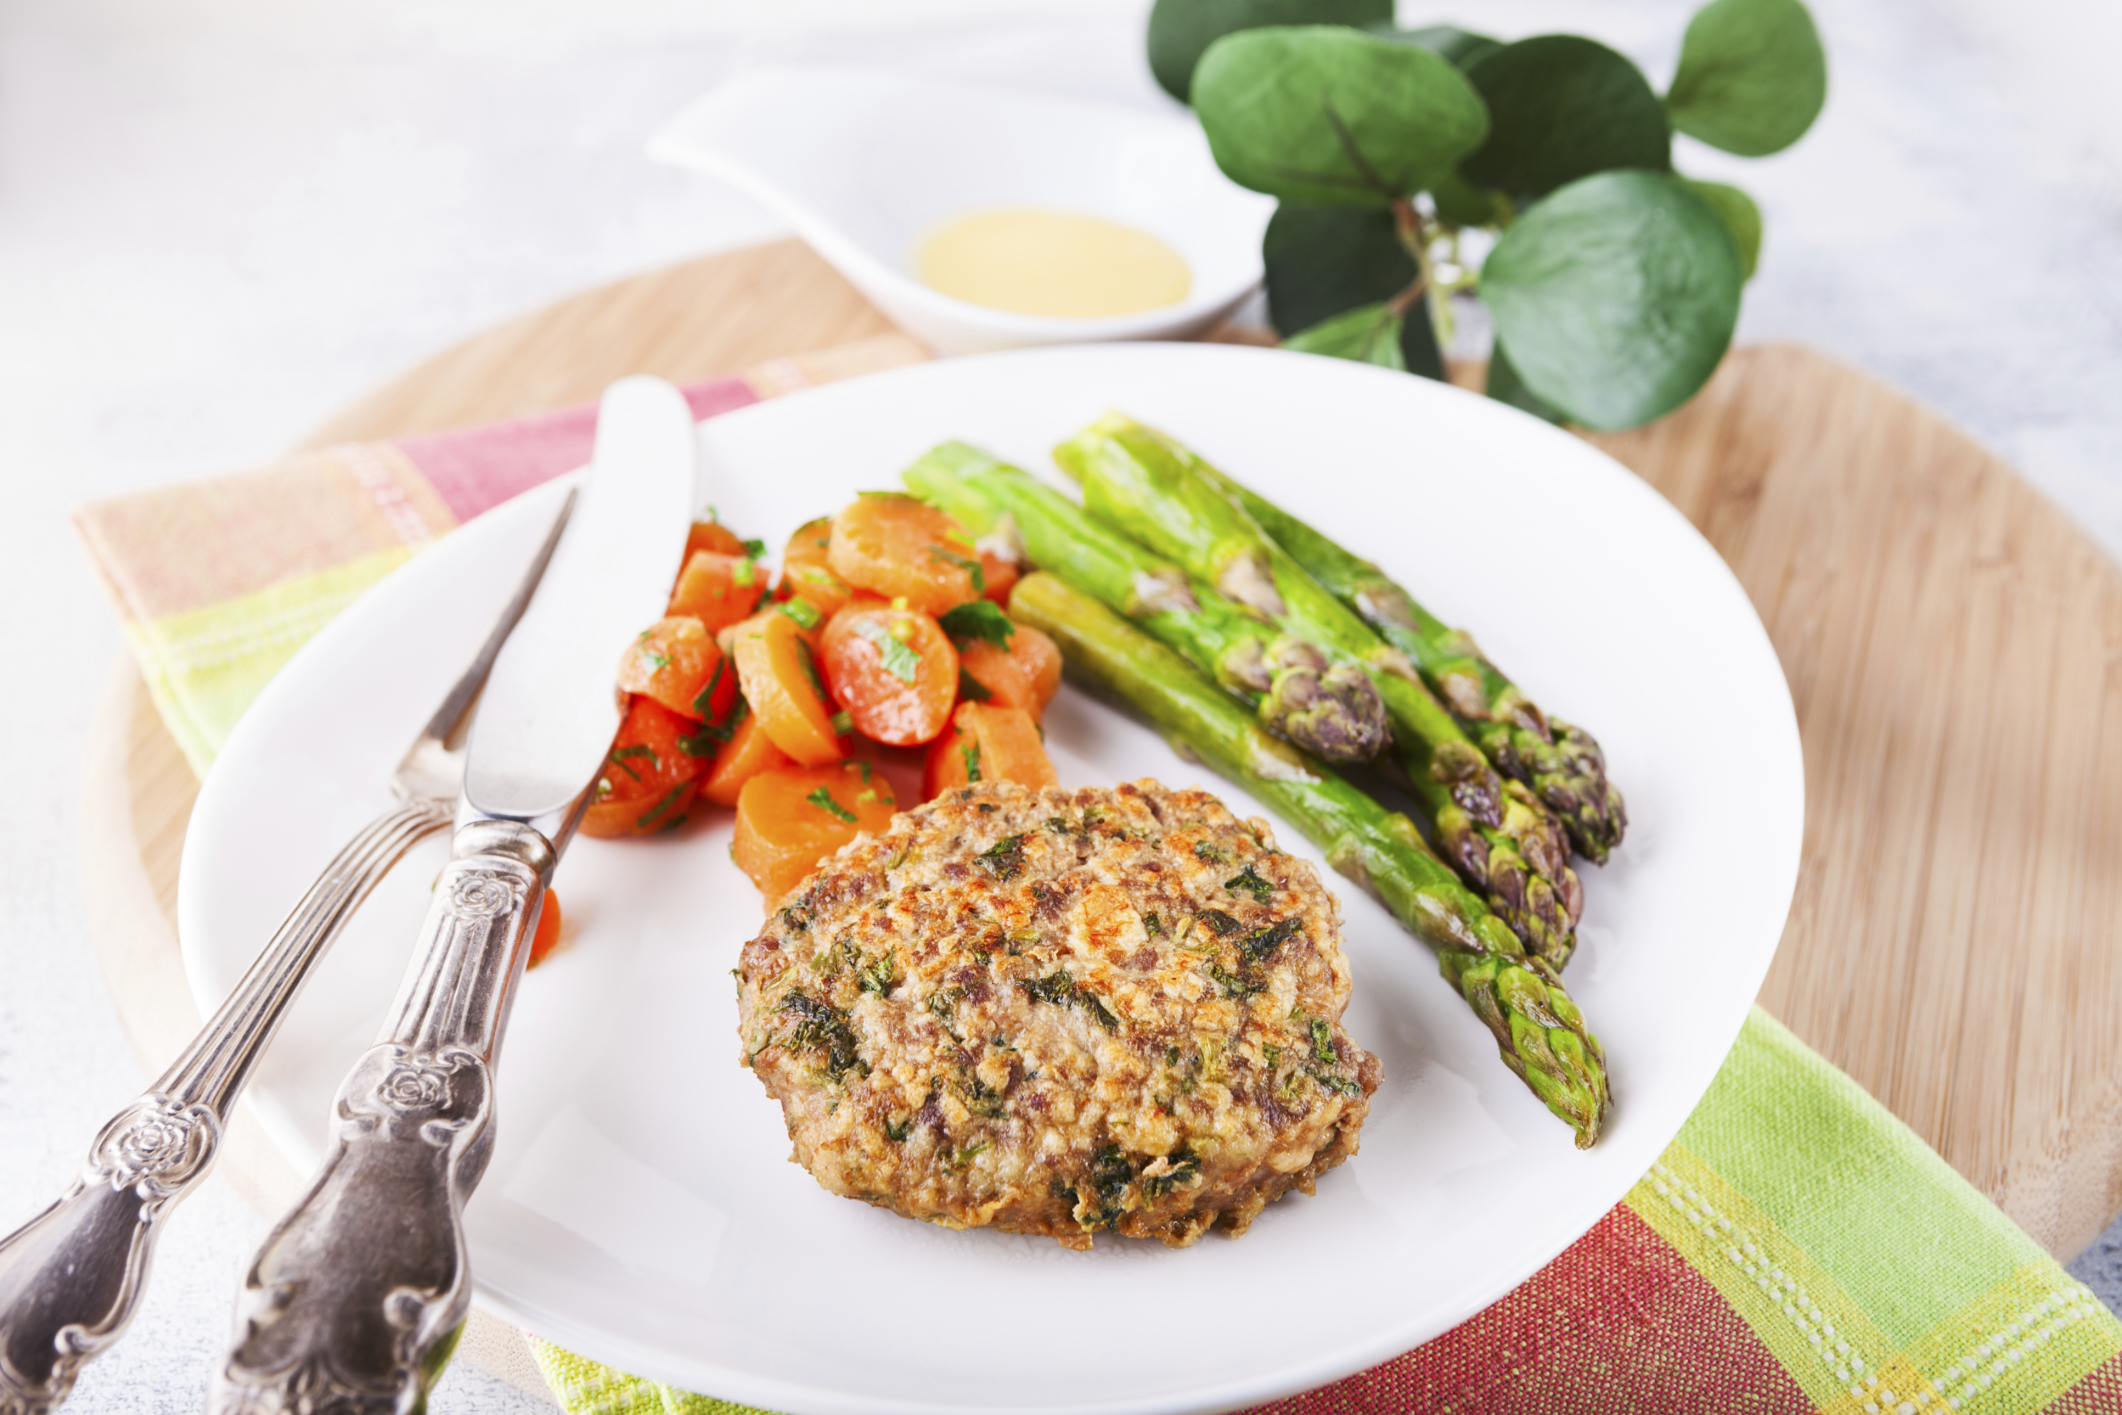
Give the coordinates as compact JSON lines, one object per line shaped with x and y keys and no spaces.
{"x":222,"y":220}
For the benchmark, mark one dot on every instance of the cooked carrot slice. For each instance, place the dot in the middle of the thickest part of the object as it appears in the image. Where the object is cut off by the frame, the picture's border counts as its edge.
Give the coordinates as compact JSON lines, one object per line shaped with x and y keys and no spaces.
{"x":1010,"y":747}
{"x":987,"y":743}
{"x":790,"y":819}
{"x":548,"y":934}
{"x":902,"y":548}
{"x":747,"y":753}
{"x":1024,"y":675}
{"x":718,"y":589}
{"x":648,"y":779}
{"x":817,"y":586}
{"x":1001,"y":576}
{"x":713,"y":535}
{"x":781,"y":683}
{"x":953,"y":758}
{"x":810,"y":545}
{"x":677,"y":663}
{"x":894,"y":670}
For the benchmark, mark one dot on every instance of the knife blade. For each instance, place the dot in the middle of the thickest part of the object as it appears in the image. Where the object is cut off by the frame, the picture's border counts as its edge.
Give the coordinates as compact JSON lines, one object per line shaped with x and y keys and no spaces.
{"x":354,"y":1300}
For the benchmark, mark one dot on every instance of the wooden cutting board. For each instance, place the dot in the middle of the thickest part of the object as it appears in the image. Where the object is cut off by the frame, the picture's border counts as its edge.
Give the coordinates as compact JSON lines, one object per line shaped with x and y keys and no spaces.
{"x":1953,"y":645}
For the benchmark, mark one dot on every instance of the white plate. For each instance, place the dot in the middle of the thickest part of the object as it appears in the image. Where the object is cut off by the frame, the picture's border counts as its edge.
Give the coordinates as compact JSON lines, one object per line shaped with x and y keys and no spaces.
{"x":640,"y":1208}
{"x":865,"y":164}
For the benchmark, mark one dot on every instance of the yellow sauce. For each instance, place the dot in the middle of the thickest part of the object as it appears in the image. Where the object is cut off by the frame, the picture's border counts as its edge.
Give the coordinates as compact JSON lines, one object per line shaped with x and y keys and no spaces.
{"x":1053,"y":263}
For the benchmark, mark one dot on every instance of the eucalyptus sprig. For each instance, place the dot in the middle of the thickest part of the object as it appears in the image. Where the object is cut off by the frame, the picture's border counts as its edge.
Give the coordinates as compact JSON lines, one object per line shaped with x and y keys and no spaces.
{"x":1613,"y":282}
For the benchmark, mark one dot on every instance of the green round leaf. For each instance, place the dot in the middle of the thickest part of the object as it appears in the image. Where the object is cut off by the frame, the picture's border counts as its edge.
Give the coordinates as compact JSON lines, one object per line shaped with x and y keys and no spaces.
{"x":1180,"y":31}
{"x":1326,"y":260}
{"x":1738,"y":212}
{"x":1462,"y":47}
{"x":1332,"y":116}
{"x":1562,"y":107}
{"x":1368,"y":334}
{"x":1616,"y":296}
{"x":1752,"y":76}
{"x":1506,"y":387}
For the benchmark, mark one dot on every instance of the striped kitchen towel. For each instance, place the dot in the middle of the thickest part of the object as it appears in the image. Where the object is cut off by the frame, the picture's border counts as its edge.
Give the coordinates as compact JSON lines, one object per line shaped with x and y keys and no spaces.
{"x":218,"y":582}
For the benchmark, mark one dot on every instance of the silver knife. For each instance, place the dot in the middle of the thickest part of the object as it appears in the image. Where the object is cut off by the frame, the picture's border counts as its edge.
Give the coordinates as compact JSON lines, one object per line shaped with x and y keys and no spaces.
{"x":71,"y":1277}
{"x":355,"y":1300}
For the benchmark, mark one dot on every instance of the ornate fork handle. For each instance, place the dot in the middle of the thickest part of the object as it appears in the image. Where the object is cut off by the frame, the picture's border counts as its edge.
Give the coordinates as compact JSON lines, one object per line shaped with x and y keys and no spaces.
{"x":354,"y":1301}
{"x":71,"y":1277}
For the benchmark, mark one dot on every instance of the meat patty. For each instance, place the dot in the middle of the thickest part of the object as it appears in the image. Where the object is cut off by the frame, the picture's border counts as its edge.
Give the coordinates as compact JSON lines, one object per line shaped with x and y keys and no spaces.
{"x":1061,"y":1012}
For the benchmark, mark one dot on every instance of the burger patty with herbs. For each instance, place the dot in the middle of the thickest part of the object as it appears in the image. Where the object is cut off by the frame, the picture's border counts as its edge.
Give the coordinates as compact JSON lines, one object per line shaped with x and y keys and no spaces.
{"x":1061,"y":1012}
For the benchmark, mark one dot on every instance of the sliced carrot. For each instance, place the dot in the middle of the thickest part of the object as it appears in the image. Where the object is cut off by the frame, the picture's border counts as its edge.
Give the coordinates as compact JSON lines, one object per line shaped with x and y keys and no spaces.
{"x":548,"y":934}
{"x":713,"y":535}
{"x":1001,"y":576}
{"x":810,"y":545}
{"x":817,"y":586}
{"x":648,"y":779}
{"x":790,"y":819}
{"x":1025,"y":675}
{"x":747,"y":753}
{"x":894,"y":670}
{"x":718,"y":589}
{"x":677,"y":663}
{"x":986,"y":743}
{"x":781,"y":683}
{"x":953,"y":758}
{"x":902,"y":548}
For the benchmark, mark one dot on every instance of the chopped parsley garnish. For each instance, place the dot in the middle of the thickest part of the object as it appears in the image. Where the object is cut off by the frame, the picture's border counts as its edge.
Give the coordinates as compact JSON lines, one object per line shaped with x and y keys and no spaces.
{"x":896,"y":1131}
{"x":1059,"y":989}
{"x":1004,"y":859}
{"x":1232,"y":984}
{"x":621,"y":755}
{"x":822,"y":1027}
{"x":1153,"y":925}
{"x":966,"y":563}
{"x":712,"y":735}
{"x":971,"y":689}
{"x":670,"y":798}
{"x":1323,"y":1042}
{"x":899,"y":660}
{"x":982,"y":619}
{"x":971,"y":756}
{"x":823,"y":800}
{"x":755,"y":549}
{"x":704,"y":705}
{"x":1262,"y":943}
{"x":843,"y":723}
{"x":1340,"y":1085}
{"x":1248,"y":880}
{"x":1211,"y":854}
{"x":802,"y":611}
{"x":878,"y":977}
{"x":1223,"y":924}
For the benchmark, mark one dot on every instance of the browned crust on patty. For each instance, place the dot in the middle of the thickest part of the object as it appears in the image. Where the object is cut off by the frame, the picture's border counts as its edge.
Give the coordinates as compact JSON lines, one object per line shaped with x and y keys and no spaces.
{"x":1061,"y":1012}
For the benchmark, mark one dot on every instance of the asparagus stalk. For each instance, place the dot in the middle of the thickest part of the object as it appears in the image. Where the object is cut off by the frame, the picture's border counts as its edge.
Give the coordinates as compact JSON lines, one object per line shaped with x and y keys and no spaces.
{"x":1332,"y":710}
{"x":1540,"y":901}
{"x":1561,"y":763}
{"x":1504,"y":842}
{"x":1538,"y":1029}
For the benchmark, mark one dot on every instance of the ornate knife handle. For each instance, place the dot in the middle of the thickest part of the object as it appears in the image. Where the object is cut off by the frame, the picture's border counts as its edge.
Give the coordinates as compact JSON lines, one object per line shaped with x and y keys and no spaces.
{"x":354,"y":1302}
{"x":71,"y":1277}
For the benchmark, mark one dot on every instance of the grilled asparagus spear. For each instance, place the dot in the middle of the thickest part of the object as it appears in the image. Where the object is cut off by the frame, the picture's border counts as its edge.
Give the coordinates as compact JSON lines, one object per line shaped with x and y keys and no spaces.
{"x":1561,"y":763}
{"x":983,"y":495}
{"x":1141,"y":480}
{"x":1538,"y":1029}
{"x":1332,"y":710}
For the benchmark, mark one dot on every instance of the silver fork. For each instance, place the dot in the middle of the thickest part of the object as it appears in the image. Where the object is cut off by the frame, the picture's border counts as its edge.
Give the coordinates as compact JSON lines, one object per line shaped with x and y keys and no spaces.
{"x":71,"y":1278}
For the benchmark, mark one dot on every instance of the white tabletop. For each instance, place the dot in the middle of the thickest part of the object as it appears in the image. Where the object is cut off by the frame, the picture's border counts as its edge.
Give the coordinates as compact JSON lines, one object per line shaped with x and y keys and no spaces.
{"x":220,"y":222}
